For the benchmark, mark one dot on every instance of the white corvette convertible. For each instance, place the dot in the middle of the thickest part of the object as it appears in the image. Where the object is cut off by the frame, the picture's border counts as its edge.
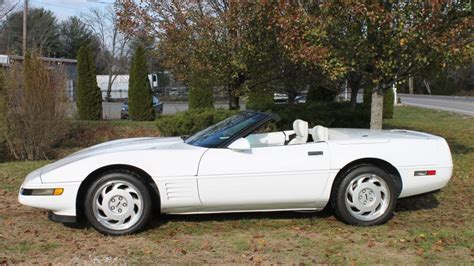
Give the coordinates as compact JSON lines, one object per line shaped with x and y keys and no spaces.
{"x":231,"y":167}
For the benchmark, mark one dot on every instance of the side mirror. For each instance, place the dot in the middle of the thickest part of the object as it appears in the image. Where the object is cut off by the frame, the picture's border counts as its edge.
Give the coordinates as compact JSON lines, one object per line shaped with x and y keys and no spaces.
{"x":241,"y":144}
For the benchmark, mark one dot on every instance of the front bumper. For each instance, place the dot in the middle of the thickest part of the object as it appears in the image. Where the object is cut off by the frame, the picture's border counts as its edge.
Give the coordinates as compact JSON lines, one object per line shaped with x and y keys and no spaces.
{"x":61,"y":205}
{"x":61,"y":218}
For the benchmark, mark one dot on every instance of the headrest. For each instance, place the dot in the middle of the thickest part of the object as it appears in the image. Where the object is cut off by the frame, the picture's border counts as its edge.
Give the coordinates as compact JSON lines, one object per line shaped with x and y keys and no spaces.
{"x":300,"y":127}
{"x":320,"y":133}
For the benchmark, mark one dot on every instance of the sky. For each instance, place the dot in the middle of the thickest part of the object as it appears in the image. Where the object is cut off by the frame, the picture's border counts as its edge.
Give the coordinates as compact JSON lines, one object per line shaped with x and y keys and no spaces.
{"x":66,"y":8}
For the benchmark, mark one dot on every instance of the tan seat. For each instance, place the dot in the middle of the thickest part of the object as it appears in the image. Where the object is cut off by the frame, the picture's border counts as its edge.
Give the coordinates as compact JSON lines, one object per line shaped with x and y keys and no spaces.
{"x":301,"y":130}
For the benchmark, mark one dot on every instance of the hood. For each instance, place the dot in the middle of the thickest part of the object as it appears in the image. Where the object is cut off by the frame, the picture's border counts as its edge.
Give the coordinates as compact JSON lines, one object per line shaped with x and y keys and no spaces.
{"x":132,"y":144}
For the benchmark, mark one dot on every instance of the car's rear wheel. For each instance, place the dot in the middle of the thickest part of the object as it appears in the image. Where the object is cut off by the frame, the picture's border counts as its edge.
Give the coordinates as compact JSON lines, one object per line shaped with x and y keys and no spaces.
{"x":118,"y":203}
{"x":365,"y":196}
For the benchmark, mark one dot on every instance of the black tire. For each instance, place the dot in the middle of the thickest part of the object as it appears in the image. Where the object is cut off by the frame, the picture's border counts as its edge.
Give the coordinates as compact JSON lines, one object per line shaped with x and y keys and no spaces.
{"x":340,"y":198}
{"x":140,"y":191}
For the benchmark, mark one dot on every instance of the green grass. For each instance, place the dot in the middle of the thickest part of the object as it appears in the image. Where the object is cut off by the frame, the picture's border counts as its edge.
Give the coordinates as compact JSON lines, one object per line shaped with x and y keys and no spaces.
{"x":428,"y":229}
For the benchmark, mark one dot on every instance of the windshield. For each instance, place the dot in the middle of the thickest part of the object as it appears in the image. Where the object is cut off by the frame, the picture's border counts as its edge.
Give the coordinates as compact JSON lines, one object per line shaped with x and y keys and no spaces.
{"x":214,"y":136}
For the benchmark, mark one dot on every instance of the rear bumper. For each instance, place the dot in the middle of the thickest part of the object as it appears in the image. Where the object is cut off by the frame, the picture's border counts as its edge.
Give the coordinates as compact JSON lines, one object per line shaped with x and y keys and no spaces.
{"x":414,"y":185}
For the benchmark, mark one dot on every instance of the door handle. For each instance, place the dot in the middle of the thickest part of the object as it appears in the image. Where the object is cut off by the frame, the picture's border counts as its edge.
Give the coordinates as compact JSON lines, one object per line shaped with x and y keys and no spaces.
{"x":315,"y":153}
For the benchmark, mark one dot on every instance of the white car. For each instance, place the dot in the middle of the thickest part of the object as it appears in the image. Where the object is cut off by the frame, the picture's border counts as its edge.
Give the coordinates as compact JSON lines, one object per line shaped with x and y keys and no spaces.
{"x":231,"y":167}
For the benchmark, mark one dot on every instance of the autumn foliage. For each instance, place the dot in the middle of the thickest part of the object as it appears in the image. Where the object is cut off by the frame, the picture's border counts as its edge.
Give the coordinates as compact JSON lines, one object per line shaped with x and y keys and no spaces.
{"x":244,"y":45}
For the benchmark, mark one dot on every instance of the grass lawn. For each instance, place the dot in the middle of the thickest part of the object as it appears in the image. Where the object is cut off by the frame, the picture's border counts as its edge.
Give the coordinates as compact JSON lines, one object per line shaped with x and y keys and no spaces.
{"x":433,"y":228}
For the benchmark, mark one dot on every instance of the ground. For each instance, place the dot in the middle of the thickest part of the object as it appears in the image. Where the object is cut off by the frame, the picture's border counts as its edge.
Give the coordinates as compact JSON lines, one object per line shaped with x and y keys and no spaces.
{"x":432,"y":228}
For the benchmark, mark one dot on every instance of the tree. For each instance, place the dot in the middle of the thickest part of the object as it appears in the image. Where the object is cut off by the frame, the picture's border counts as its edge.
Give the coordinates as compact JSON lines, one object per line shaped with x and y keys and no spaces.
{"x":73,"y":34}
{"x":6,"y":7}
{"x":226,"y":43}
{"x":113,"y":43}
{"x":140,"y":102}
{"x":89,"y":97}
{"x":388,"y":100}
{"x":42,"y":34}
{"x":260,"y":99}
{"x":383,"y":41}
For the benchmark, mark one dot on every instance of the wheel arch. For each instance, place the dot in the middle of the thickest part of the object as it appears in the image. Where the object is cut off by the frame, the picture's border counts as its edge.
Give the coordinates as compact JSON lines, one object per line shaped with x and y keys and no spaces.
{"x":115,"y":167}
{"x":380,"y":163}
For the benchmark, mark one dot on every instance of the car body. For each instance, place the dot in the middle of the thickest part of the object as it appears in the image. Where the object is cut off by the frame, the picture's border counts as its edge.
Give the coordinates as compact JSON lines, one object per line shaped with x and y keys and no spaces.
{"x":157,"y":105}
{"x":231,"y":167}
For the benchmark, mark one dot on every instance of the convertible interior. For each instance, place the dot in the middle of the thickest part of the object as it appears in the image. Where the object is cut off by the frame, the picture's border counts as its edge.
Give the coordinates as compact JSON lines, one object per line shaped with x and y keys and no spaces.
{"x":300,"y":134}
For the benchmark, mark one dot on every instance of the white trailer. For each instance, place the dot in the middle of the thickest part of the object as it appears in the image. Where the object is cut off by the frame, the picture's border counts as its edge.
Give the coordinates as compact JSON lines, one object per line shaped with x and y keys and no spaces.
{"x":120,"y":85}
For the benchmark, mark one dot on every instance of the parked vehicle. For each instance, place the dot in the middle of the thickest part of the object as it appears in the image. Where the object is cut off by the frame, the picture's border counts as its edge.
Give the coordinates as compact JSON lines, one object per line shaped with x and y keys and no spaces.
{"x":234,"y":167}
{"x":157,"y":104}
{"x":300,"y":99}
{"x":280,"y":98}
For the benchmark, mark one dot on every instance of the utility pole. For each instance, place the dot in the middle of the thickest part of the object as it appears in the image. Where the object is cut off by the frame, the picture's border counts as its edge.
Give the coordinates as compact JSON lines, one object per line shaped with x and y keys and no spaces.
{"x":25,"y":15}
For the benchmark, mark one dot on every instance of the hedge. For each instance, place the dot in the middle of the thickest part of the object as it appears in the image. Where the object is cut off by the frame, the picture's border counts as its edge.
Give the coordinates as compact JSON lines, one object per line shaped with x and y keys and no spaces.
{"x":190,"y":122}
{"x":201,"y":97}
{"x":326,"y":114}
{"x":332,"y":114}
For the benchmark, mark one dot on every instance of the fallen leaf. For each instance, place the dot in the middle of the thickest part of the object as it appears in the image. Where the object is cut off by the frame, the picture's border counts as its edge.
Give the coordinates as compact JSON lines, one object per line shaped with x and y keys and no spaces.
{"x":420,"y":252}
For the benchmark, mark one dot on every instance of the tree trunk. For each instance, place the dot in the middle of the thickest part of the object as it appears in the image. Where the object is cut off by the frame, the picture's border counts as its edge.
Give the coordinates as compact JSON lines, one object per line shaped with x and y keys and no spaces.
{"x":376,"y":109}
{"x":234,"y":100}
{"x":291,"y":96}
{"x":353,"y":81}
{"x":410,"y":85}
{"x":354,"y":92}
{"x":108,"y":96}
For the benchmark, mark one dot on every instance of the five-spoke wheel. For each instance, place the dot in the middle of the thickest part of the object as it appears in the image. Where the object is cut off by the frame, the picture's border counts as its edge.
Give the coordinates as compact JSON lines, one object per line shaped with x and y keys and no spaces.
{"x":365,"y":196}
{"x":118,"y":203}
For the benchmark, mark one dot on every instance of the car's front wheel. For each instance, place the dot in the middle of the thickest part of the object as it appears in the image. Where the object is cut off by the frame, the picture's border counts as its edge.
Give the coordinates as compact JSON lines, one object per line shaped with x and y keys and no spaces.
{"x":118,"y":203}
{"x":365,"y":196}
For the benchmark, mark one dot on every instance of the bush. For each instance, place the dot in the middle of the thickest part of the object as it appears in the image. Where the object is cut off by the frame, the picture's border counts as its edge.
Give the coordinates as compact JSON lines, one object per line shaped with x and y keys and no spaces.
{"x":201,"y":97}
{"x":260,"y":100}
{"x":34,"y":108}
{"x":139,"y":91}
{"x":335,"y":114}
{"x":89,"y":97}
{"x":320,"y":94}
{"x":2,"y":115}
{"x":388,"y":100}
{"x":190,"y":122}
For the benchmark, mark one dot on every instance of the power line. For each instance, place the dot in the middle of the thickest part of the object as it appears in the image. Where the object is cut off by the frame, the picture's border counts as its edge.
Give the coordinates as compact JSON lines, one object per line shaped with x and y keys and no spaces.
{"x":57,"y":5}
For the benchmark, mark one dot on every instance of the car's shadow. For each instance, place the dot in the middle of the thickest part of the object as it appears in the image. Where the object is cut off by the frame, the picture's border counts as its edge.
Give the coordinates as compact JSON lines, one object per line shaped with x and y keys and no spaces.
{"x":420,"y":202}
{"x":162,"y":219}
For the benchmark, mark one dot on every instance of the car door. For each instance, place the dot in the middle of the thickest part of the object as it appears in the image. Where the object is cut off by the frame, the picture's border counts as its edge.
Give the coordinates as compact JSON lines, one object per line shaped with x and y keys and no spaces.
{"x":264,"y":178}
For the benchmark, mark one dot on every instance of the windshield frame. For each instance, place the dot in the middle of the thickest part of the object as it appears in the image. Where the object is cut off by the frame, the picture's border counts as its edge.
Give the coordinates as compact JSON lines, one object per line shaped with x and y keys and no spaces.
{"x":265,"y":117}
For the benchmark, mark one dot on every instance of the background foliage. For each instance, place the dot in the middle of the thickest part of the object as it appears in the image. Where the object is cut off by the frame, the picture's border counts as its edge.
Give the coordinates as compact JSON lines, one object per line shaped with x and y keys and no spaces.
{"x":34,"y":108}
{"x":140,"y":102}
{"x":89,"y":97}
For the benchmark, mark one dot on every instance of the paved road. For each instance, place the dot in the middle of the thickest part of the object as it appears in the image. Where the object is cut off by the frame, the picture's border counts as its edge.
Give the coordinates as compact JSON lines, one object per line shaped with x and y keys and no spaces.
{"x":175,"y":107}
{"x":461,"y":105}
